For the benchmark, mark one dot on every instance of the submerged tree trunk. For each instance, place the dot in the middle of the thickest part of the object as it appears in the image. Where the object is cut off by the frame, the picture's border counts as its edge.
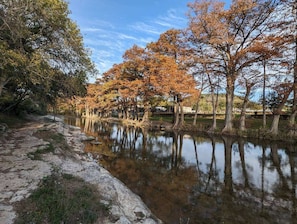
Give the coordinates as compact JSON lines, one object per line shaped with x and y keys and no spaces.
{"x":228,"y":182}
{"x":243,"y":163}
{"x":293,"y":188}
{"x":277,"y":164}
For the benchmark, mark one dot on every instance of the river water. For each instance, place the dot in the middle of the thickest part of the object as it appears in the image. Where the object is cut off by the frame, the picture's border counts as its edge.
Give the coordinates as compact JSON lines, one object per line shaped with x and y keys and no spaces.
{"x":195,"y":178}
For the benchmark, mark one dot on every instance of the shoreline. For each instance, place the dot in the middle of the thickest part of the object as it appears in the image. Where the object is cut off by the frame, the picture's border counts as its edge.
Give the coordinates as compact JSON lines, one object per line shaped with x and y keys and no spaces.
{"x":22,"y":175}
{"x":250,"y":133}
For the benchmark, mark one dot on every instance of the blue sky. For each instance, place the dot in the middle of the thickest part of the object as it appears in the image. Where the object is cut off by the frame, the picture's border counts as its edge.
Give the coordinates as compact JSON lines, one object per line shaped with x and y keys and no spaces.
{"x":110,"y":27}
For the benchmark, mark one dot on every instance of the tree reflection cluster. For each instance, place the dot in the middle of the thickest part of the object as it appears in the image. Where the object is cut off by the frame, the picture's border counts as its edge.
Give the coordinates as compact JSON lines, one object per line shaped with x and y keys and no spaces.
{"x":190,"y":178}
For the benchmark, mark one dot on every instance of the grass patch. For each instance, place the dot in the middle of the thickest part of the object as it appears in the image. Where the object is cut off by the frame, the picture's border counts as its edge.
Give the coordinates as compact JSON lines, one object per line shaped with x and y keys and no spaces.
{"x":203,"y":122}
{"x":56,"y":139}
{"x":62,"y":198}
{"x":43,"y":150}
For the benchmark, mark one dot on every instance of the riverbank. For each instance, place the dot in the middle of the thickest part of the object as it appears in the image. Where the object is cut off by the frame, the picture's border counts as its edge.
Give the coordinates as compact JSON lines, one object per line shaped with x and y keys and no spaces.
{"x":28,"y":155}
{"x":253,"y":131}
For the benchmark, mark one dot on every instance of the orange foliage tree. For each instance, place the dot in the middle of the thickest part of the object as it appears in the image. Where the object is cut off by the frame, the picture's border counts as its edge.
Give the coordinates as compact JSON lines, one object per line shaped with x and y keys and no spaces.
{"x":229,"y":38}
{"x":173,"y":44}
{"x":143,"y":76}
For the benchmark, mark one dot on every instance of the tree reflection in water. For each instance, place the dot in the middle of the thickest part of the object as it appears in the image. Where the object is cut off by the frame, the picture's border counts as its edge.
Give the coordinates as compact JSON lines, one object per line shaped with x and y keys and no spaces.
{"x":191,"y":178}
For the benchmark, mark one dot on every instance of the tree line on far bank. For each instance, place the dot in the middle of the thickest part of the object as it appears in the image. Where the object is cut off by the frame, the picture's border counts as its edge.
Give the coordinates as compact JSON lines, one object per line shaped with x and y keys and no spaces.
{"x":249,"y":48}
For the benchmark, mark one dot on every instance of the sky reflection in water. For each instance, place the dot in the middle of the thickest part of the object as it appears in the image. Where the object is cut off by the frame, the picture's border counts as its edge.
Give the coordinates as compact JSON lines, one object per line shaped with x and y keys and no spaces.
{"x":200,"y":179}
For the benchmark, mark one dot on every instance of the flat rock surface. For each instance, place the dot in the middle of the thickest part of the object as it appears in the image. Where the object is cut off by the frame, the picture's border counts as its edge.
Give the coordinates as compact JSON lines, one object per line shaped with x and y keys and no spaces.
{"x":20,"y":175}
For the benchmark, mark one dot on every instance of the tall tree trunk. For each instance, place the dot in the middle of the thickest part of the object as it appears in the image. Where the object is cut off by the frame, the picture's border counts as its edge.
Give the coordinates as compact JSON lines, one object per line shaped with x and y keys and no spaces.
{"x":182,"y":114}
{"x":196,"y":112}
{"x":277,"y":112}
{"x":136,"y":112}
{"x":292,"y":118}
{"x":197,"y":108}
{"x":177,"y":111}
{"x":176,"y":114}
{"x":274,"y":125}
{"x":229,"y":105}
{"x":87,"y":110}
{"x":264,"y":94}
{"x":214,"y":103}
{"x":145,"y":118}
{"x":243,"y":109}
{"x":125,"y":113}
{"x":277,"y":164}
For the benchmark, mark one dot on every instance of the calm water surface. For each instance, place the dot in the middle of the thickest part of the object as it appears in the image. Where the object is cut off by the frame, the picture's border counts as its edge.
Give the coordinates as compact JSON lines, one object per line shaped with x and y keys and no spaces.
{"x":192,"y":178}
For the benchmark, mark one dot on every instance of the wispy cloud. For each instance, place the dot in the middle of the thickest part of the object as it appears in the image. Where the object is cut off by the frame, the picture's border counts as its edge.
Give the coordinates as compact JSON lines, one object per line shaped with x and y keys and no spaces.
{"x":109,"y":39}
{"x":91,"y":30}
{"x":171,"y":20}
{"x":145,"y":28}
{"x":123,"y":36}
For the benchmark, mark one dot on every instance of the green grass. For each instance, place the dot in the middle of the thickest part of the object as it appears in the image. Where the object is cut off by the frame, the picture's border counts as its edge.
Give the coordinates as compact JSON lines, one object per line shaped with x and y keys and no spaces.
{"x":203,"y":122}
{"x":62,"y":198}
{"x":56,"y":140}
{"x":42,"y":150}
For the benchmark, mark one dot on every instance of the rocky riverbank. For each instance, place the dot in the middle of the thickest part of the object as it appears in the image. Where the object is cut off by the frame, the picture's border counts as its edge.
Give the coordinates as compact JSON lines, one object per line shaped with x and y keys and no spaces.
{"x":21,"y":173}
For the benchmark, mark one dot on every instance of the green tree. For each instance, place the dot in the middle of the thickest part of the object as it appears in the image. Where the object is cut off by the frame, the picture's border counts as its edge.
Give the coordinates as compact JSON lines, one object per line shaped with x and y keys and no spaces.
{"x":42,"y":52}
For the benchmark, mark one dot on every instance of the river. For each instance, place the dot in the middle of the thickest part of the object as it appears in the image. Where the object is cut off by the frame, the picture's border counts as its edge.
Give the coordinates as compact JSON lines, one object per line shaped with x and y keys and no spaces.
{"x":189,"y":178}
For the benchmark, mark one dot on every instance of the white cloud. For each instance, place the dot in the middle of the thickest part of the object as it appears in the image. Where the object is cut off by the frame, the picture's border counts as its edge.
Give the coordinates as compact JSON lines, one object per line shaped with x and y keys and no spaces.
{"x":145,"y":28}
{"x":123,"y":36}
{"x":91,"y":30}
{"x":171,"y":20}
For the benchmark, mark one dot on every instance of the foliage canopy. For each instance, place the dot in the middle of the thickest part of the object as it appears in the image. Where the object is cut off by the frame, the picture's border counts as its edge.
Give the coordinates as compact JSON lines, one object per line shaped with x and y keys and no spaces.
{"x":42,"y":53}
